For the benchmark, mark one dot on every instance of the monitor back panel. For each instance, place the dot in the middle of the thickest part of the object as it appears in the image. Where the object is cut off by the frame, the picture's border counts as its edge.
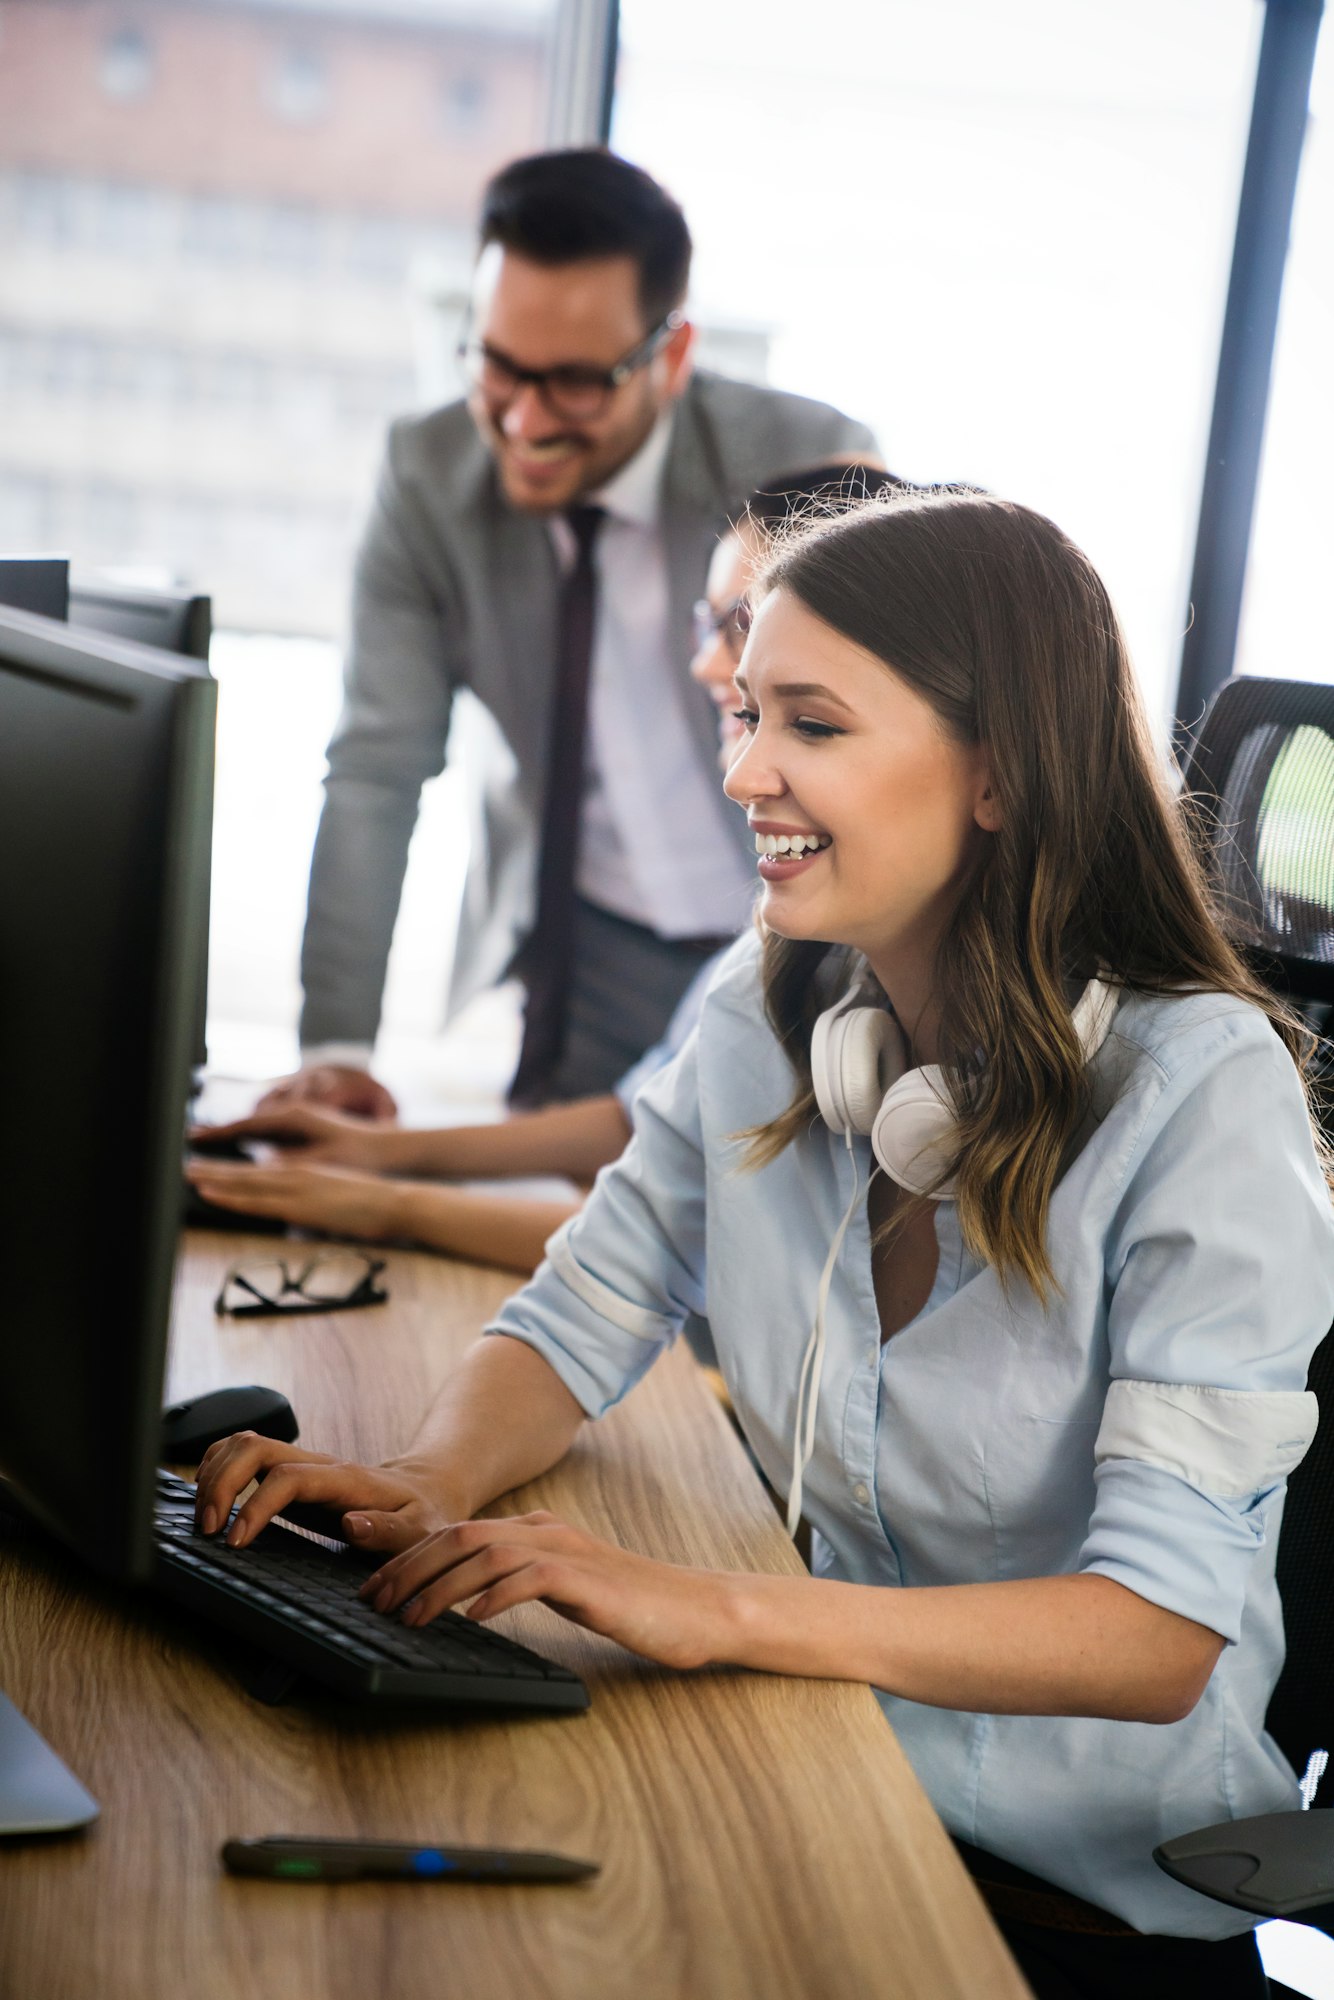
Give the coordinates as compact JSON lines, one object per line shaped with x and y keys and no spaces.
{"x":173,"y":620}
{"x":104,"y":806}
{"x":36,"y":583}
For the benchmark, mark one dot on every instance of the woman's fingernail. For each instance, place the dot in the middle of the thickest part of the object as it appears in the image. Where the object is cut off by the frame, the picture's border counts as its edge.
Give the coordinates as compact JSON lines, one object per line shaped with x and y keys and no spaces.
{"x":411,"y":1611}
{"x":382,"y":1597}
{"x":357,"y":1526}
{"x":236,"y":1534}
{"x":210,"y":1520}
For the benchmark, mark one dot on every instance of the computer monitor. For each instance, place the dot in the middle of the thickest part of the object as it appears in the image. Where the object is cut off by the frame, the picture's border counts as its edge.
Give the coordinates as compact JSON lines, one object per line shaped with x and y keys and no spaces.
{"x":106,"y":762}
{"x":36,"y":583}
{"x":179,"y":622}
{"x":176,"y":620}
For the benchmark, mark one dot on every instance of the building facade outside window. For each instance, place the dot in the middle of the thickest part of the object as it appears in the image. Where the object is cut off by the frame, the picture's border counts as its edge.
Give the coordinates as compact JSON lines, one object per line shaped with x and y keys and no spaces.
{"x":126,"y":69}
{"x":247,"y":198}
{"x":213,"y":224}
{"x":298,"y":87}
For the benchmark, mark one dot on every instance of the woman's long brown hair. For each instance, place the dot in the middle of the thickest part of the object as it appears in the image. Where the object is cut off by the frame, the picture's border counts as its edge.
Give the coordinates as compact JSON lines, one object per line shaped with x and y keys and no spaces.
{"x":997,"y":620}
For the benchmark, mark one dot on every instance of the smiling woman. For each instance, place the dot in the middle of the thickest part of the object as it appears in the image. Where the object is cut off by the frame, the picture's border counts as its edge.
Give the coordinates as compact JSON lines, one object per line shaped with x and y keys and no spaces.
{"x":869,"y":809}
{"x":1008,"y":831}
{"x":1042,"y":1422}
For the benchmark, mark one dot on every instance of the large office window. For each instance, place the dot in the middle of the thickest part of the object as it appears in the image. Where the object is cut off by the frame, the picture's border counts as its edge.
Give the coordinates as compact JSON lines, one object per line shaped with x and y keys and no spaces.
{"x":1285,"y":623}
{"x":226,"y":233}
{"x":999,"y":233}
{"x":233,"y":241}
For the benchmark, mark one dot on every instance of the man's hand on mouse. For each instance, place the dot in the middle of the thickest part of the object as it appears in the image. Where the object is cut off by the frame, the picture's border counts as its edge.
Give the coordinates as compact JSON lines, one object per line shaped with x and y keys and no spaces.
{"x":382,"y":1508}
{"x":336,"y":1086}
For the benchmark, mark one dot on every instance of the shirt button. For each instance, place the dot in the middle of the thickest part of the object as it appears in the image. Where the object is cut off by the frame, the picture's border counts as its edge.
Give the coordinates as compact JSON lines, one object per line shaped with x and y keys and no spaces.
{"x":861,"y":1491}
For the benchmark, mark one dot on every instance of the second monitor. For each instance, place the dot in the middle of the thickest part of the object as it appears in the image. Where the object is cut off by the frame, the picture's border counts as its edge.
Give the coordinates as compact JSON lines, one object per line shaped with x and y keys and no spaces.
{"x":176,"y":621}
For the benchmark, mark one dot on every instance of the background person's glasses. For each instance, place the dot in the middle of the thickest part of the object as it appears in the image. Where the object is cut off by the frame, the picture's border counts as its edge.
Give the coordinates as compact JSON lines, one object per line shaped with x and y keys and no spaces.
{"x":572,"y":390}
{"x":333,"y":1281}
{"x":731,"y":625}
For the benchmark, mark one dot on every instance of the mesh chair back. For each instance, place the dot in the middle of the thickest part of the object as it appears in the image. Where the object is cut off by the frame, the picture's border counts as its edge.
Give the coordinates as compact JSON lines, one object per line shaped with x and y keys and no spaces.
{"x":1263,"y":766}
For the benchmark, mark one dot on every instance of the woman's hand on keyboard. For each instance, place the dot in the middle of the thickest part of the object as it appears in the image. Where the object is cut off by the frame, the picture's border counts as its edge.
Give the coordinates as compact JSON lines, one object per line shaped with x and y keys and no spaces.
{"x":680,"y":1617}
{"x":381,"y":1507}
{"x":341,"y":1200}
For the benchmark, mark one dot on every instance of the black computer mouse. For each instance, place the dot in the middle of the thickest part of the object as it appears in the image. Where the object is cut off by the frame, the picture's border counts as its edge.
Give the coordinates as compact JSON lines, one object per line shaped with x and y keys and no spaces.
{"x":211,"y":1147}
{"x":189,"y":1428}
{"x":196,"y":1213}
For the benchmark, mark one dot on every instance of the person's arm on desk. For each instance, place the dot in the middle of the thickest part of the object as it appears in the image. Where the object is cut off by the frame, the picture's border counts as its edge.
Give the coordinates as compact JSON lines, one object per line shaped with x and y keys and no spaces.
{"x":1061,"y":1645}
{"x":507,"y":1230}
{"x":336,"y":1181}
{"x":503,"y":1418}
{"x":573,"y":1140}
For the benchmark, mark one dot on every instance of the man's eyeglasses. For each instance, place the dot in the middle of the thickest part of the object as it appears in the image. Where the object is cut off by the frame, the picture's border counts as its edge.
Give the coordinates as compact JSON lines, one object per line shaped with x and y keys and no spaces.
{"x":731,"y":625}
{"x":333,"y":1281}
{"x":570,"y":390}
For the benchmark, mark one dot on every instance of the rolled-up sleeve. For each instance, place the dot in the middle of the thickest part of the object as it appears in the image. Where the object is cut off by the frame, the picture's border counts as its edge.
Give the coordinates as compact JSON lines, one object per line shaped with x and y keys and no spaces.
{"x":1221,"y":1277}
{"x":621,"y":1278}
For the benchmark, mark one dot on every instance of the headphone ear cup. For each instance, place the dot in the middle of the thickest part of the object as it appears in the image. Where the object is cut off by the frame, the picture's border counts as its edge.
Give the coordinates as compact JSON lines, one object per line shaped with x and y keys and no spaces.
{"x":826,"y":1071}
{"x":856,"y":1054}
{"x":914,"y":1134}
{"x":872,"y":1062}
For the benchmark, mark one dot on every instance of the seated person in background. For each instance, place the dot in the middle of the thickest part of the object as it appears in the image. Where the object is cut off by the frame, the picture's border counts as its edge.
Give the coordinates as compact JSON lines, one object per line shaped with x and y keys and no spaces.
{"x":358,"y":1178}
{"x":994,"y":1102}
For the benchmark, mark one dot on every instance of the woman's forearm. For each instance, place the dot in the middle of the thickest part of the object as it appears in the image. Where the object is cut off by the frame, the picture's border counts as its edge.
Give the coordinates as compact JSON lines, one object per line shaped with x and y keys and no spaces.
{"x":502,"y":1418}
{"x":1063,"y":1645}
{"x":486,"y":1228}
{"x":570,"y":1139}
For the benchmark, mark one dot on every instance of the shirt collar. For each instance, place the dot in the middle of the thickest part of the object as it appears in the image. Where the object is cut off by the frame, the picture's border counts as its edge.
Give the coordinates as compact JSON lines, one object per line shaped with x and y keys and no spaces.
{"x":634,"y":493}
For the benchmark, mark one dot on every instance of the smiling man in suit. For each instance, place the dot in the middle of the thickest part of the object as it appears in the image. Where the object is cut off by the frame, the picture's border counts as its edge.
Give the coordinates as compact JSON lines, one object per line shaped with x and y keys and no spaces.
{"x":541,"y":544}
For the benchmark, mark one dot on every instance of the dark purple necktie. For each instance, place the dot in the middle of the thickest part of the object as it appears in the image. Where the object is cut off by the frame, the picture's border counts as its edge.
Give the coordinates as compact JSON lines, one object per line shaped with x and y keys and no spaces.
{"x":546,"y":958}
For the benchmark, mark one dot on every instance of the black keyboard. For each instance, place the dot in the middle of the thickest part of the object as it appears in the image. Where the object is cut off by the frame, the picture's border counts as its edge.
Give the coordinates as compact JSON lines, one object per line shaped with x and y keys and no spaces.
{"x":297,"y":1600}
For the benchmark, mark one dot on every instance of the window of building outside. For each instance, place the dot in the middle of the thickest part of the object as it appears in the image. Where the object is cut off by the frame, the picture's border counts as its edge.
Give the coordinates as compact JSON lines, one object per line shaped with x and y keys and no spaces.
{"x":127,"y":63}
{"x":1285,"y":625}
{"x":234,"y":241}
{"x":299,"y":84}
{"x":1001,"y":234}
{"x":464,"y":103}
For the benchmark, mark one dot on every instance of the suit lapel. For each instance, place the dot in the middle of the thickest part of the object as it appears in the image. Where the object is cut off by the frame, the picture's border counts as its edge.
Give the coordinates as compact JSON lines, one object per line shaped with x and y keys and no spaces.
{"x":695,"y":504}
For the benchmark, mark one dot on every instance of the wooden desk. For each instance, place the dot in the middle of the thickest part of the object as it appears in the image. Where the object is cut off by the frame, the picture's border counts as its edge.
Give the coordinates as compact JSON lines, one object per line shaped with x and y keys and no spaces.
{"x":758,"y":1836}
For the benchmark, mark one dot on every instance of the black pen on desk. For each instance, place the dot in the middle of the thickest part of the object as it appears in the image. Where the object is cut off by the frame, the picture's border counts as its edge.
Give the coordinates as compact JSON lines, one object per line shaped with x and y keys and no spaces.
{"x":288,"y":1858}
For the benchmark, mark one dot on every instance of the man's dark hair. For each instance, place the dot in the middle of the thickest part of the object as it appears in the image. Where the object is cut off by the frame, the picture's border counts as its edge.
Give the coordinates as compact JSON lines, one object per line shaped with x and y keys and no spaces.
{"x":557,"y":208}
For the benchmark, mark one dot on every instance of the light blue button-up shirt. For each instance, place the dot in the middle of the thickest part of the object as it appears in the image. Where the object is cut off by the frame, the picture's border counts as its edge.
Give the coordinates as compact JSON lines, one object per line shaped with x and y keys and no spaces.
{"x":1139,"y":1427}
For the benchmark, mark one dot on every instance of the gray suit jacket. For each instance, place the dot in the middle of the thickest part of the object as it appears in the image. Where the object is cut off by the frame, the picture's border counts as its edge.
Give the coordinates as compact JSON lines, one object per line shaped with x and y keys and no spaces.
{"x":456,"y":592}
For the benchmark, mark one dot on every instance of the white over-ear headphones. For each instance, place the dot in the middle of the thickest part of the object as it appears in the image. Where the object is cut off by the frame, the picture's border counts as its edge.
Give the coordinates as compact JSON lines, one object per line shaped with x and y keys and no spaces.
{"x":863,"y":1085}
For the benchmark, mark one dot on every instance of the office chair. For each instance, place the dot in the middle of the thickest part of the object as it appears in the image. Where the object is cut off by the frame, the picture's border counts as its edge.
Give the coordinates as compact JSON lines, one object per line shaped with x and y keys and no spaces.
{"x":1262,"y":772}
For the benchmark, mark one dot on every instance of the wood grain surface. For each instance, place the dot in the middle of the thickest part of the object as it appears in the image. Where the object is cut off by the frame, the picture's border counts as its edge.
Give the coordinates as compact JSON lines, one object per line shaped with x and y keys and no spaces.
{"x":757,"y":1836}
